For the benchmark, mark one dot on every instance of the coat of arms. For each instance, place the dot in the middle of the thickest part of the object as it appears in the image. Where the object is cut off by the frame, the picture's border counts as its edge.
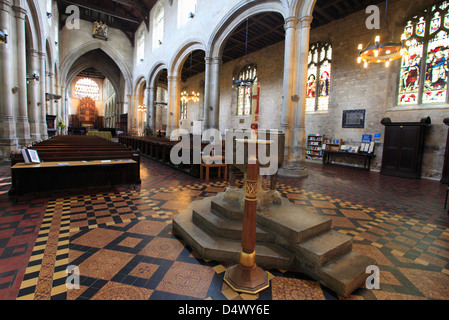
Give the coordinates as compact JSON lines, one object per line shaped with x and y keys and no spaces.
{"x":100,"y":30}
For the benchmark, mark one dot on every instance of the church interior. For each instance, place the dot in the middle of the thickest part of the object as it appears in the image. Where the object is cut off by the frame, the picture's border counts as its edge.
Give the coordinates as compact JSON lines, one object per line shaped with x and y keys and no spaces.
{"x":122,"y":123}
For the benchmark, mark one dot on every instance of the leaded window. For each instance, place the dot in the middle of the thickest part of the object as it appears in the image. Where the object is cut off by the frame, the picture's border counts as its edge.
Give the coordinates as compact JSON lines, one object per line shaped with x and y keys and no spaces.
{"x":247,"y":78}
{"x":424,"y":68}
{"x":87,"y":88}
{"x":318,"y":77}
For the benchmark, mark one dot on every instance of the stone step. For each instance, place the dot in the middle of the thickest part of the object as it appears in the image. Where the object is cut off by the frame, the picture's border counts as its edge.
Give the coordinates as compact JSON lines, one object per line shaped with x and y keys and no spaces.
{"x":225,"y":228}
{"x":293,"y":222}
{"x":347,"y":273}
{"x":230,"y":210}
{"x":324,"y":248}
{"x":214,"y":248}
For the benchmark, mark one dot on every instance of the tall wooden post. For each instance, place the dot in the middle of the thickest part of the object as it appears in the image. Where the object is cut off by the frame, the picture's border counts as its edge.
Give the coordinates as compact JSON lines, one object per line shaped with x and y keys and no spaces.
{"x":246,"y":276}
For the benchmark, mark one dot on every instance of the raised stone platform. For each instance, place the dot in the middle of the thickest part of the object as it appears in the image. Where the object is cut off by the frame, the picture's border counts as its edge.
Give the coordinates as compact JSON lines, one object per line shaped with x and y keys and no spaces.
{"x":288,"y":237}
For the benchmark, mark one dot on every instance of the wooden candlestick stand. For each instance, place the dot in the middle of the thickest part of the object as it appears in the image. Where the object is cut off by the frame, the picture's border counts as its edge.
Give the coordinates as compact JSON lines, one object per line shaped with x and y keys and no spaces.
{"x":246,"y":276}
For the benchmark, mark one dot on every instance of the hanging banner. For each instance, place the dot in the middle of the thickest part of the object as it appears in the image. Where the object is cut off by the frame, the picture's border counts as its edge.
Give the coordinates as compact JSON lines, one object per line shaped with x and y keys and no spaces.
{"x":255,"y":110}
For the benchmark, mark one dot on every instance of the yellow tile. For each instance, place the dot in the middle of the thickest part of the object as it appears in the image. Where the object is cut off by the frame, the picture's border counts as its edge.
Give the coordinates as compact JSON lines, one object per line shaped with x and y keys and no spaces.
{"x":41,"y":247}
{"x":29,"y":283}
{"x":58,"y":290}
{"x":27,"y":297}
{"x":37,"y":257}
{"x":247,"y":296}
{"x":60,"y":274}
{"x":61,"y":262}
{"x":32,"y":269}
{"x":62,"y":251}
{"x":219,"y":268}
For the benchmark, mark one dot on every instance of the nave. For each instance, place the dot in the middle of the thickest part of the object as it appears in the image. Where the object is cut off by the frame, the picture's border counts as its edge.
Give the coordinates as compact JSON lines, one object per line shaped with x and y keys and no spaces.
{"x":121,"y":238}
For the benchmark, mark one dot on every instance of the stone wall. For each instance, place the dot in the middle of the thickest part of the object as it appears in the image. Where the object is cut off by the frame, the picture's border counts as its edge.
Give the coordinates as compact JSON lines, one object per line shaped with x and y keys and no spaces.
{"x":373,"y":89}
{"x":352,"y":87}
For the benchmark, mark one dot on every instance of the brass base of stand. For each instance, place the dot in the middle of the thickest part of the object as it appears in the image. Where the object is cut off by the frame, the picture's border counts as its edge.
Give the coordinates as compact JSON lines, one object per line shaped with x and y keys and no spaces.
{"x":250,"y":280}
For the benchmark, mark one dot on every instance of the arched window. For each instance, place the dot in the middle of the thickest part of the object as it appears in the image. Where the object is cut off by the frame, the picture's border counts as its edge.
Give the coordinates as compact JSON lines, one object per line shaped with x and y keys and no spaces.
{"x":158,"y":27}
{"x":87,"y":88}
{"x":247,"y":78}
{"x":141,"y":46}
{"x":424,"y":69}
{"x":183,"y":110}
{"x":318,"y":77}
{"x":186,"y":11}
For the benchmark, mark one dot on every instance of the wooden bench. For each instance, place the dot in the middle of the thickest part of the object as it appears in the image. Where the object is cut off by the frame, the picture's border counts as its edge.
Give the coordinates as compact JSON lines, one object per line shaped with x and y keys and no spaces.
{"x":159,"y":149}
{"x":93,"y":162}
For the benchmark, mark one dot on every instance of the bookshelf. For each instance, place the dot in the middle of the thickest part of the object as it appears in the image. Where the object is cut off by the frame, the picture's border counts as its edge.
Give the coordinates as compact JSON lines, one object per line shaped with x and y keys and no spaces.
{"x":332,"y":144}
{"x":314,"y":149}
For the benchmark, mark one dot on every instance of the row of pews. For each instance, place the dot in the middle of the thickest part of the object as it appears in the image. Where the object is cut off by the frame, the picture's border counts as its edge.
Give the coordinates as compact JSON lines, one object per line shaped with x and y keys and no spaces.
{"x":70,"y":162}
{"x":159,"y":149}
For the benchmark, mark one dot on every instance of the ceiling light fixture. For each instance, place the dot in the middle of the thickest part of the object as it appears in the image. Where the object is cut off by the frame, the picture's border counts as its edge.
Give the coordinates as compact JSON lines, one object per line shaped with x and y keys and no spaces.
{"x":382,"y":52}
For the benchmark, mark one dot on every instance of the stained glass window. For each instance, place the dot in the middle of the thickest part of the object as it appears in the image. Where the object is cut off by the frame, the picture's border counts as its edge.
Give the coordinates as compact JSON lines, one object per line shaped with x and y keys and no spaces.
{"x":87,"y":88}
{"x":183,"y":111}
{"x":318,"y":77}
{"x":245,"y":90}
{"x":424,"y":69}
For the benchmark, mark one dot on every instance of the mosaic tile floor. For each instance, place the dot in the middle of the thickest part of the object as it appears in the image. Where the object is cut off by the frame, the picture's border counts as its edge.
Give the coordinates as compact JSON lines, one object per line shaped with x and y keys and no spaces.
{"x":121,"y":241}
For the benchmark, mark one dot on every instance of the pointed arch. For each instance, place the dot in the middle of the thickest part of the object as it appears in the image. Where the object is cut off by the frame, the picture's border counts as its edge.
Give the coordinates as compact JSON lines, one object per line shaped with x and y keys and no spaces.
{"x":70,"y":59}
{"x":236,"y":16}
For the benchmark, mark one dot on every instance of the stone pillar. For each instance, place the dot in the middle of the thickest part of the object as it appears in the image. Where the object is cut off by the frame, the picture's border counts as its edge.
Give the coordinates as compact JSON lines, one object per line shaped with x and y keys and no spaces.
{"x":206,"y":124}
{"x":289,"y":87}
{"x":8,"y":141}
{"x":295,"y":160}
{"x":130,"y":112}
{"x":173,"y":104}
{"x":22,"y":125}
{"x":42,"y":107}
{"x":33,"y":96}
{"x":151,"y":112}
{"x":214,"y":94}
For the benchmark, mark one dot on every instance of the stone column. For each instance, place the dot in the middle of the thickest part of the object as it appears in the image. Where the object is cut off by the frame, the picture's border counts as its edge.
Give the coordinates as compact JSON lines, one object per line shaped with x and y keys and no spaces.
{"x":130,"y":112}
{"x":8,"y":141}
{"x":33,"y":96}
{"x":289,"y":87}
{"x":151,"y":112}
{"x":22,"y":125}
{"x":53,"y":106}
{"x":42,"y":107}
{"x":214,"y":106}
{"x":206,"y":124}
{"x":295,"y":160}
{"x":173,"y":104}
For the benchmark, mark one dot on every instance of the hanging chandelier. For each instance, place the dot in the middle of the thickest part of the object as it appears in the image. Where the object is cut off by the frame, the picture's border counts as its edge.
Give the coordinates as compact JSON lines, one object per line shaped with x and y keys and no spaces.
{"x":382,"y":52}
{"x":142,"y":108}
{"x":186,"y":97}
{"x":244,"y":81}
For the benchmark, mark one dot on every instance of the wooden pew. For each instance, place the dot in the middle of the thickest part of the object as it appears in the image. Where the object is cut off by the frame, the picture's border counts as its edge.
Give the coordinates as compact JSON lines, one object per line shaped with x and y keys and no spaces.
{"x":159,"y":149}
{"x":98,"y":161}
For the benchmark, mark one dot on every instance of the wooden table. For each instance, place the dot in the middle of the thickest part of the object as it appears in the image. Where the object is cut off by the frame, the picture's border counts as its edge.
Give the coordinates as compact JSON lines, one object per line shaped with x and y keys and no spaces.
{"x":209,"y":162}
{"x":366,"y":158}
{"x":59,"y":175}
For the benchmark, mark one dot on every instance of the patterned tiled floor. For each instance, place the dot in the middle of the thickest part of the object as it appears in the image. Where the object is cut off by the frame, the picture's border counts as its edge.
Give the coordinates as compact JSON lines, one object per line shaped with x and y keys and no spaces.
{"x":121,"y":241}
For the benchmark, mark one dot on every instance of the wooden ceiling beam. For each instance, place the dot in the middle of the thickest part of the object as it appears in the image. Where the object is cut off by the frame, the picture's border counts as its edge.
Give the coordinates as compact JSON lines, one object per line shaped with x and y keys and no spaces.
{"x":106,"y":11}
{"x":132,"y":3}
